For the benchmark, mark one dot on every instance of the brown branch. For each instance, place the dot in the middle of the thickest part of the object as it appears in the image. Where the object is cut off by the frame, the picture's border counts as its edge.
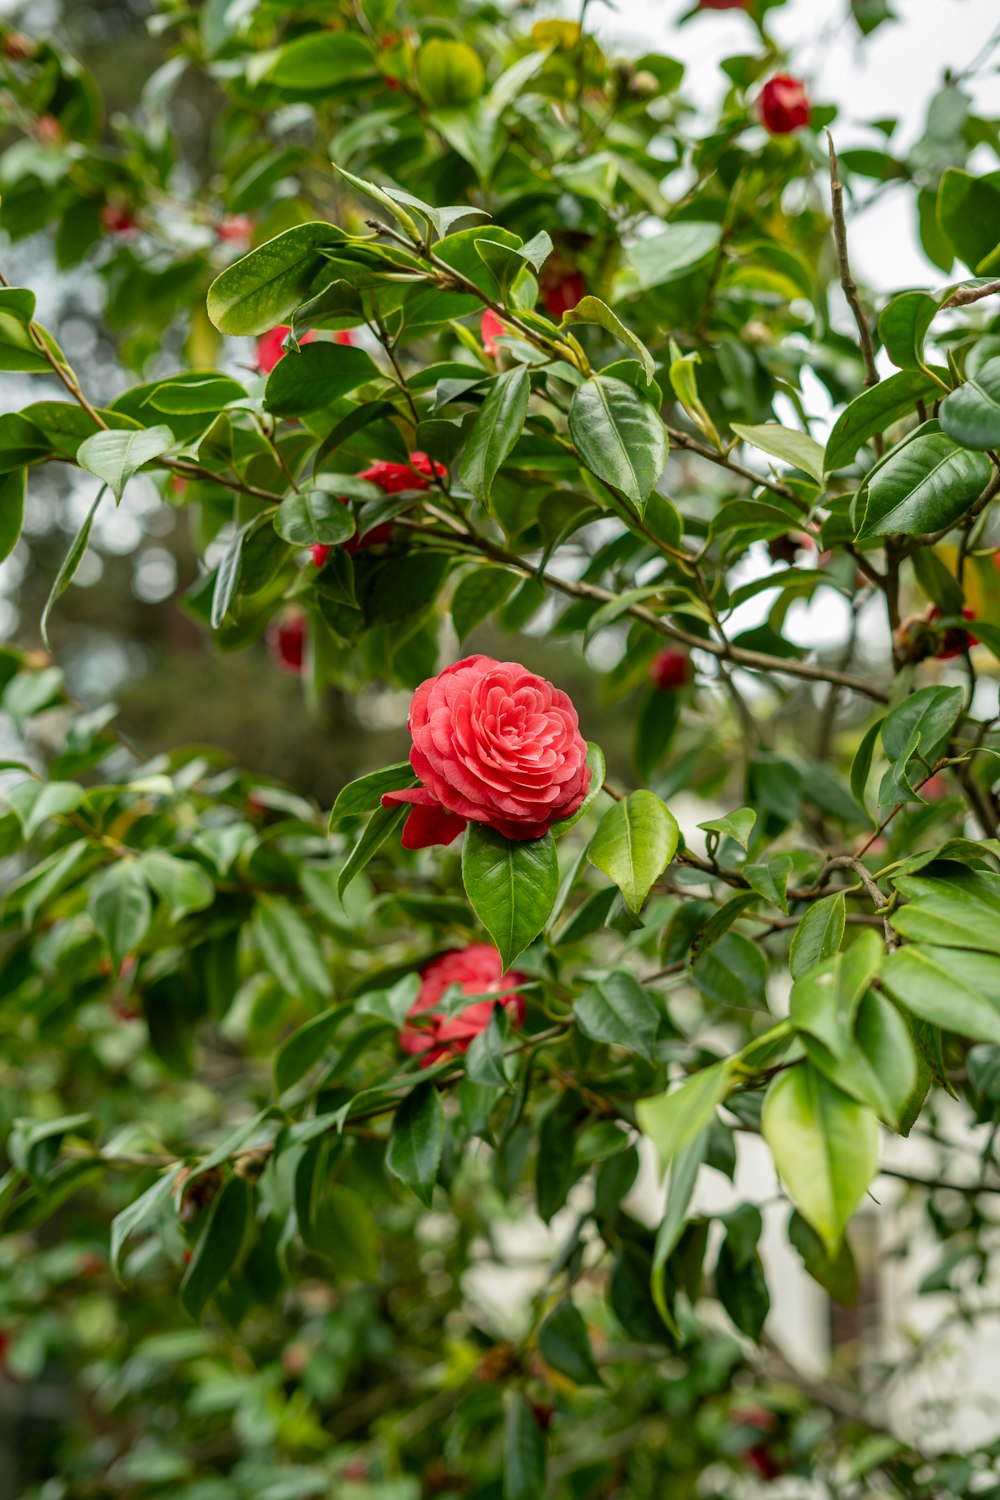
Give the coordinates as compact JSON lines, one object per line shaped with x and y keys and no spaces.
{"x":966,"y":294}
{"x":847,"y":281}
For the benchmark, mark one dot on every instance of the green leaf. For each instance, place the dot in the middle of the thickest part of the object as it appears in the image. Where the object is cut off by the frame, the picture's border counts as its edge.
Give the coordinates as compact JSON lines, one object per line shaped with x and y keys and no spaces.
{"x":120,"y":907}
{"x":449,"y":74}
{"x":619,"y":1012}
{"x":227,"y":575}
{"x":524,"y":1451}
{"x":879,"y":1067}
{"x":316,"y":376}
{"x":417,"y":1141}
{"x":592,"y":310}
{"x":634,"y":843}
{"x":290,"y":948}
{"x":116,"y":456}
{"x":380,"y":826}
{"x":920,"y":726}
{"x":320,"y":60}
{"x":313,"y":517}
{"x":968,"y":210}
{"x":825,"y":1147}
{"x":34,"y":802}
{"x":819,"y":934}
{"x":861,"y":765}
{"x":903,"y":325}
{"x":657,"y":259}
{"x":740,"y":1284}
{"x":478,"y":594}
{"x":495,"y":430}
{"x":218,"y":1248}
{"x":69,"y":564}
{"x":191,"y":396}
{"x":13,"y":486}
{"x":564,"y":1344}
{"x":512,"y":886}
{"x":344,"y":1232}
{"x":674,"y":1120}
{"x":732,"y":973}
{"x":824,"y":1001}
{"x":262,"y":290}
{"x":876,"y":410}
{"x":953,"y":989}
{"x":681,"y":1180}
{"x":365,"y":794}
{"x":791,"y":446}
{"x":736,"y":825}
{"x":305,"y":1046}
{"x":182,"y":884}
{"x":836,"y":1274}
{"x":925,"y":485}
{"x":971,"y":414}
{"x":619,"y":436}
{"x":962,"y":911}
{"x":145,"y":1207}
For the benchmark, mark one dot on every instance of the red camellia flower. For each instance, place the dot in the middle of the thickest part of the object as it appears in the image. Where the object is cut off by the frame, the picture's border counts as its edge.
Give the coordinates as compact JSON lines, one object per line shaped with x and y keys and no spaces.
{"x":477,"y":970}
{"x":953,"y":640}
{"x":392,"y":479}
{"x":784,"y":104}
{"x":670,"y":669}
{"x":120,"y":221}
{"x":286,"y":641}
{"x":561,"y":293}
{"x":490,"y":328}
{"x":235,"y":229}
{"x":269,"y":349}
{"x":493,"y":744}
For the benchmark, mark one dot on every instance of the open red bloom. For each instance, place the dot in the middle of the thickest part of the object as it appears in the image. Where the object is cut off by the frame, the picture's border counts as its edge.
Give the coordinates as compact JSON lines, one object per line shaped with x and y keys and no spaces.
{"x":269,"y":349}
{"x":954,"y":641}
{"x":784,"y":104}
{"x":392,"y":479}
{"x":670,"y":669}
{"x":286,"y":641}
{"x":490,"y":328}
{"x":492,"y":744}
{"x":477,"y":970}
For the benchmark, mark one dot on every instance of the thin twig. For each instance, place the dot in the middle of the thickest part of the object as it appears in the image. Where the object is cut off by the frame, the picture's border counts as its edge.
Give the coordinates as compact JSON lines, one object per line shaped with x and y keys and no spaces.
{"x":847,"y":281}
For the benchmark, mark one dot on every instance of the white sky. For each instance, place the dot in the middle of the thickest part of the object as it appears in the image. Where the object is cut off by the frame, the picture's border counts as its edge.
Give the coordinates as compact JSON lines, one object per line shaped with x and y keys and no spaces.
{"x":892,"y":73}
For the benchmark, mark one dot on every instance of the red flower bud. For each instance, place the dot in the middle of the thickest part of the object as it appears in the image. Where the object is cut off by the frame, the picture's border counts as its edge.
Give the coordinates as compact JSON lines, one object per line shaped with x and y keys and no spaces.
{"x":561,"y":293}
{"x":784,"y":104}
{"x":953,"y":641}
{"x":120,"y":221}
{"x":235,"y":229}
{"x":490,"y":328}
{"x":286,"y":640}
{"x":670,"y":669}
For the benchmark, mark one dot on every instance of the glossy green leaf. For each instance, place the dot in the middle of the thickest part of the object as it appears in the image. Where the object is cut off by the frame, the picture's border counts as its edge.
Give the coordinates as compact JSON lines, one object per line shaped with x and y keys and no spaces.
{"x":635,"y":841}
{"x":736,"y":825}
{"x":879,"y":1066}
{"x":417,"y":1141}
{"x":956,"y":990}
{"x":971,"y":414}
{"x":13,"y":487}
{"x":819,"y":934}
{"x":218,"y":1248}
{"x":512,"y":886}
{"x":305,"y":1047}
{"x":825,"y":1147}
{"x":593,"y":310}
{"x":290,"y":948}
{"x":903,"y":325}
{"x":478,"y":594}
{"x":316,"y":376}
{"x":380,"y":827}
{"x":366,"y":793}
{"x":260,"y":291}
{"x":674,"y":1120}
{"x":524,"y":1451}
{"x":313,"y":517}
{"x":619,"y":436}
{"x":144,"y":1208}
{"x":495,"y":430}
{"x":70,"y":562}
{"x":926,"y":485}
{"x":825,"y":999}
{"x":320,"y":60}
{"x":876,"y":410}
{"x":962,"y":911}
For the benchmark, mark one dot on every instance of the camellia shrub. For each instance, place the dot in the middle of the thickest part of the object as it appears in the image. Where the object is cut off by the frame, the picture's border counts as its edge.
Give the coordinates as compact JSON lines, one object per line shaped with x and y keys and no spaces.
{"x":472,"y":364}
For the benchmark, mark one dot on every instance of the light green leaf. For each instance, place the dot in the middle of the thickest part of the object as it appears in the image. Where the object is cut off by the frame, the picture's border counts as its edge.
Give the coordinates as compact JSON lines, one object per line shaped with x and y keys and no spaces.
{"x":291,"y":949}
{"x":825,"y":1147}
{"x":145,"y":1207}
{"x":593,"y":310}
{"x":635,"y":841}
{"x":512,"y":885}
{"x":736,"y":825}
{"x":312,"y":517}
{"x":657,"y":259}
{"x":953,"y":989}
{"x":825,"y":1000}
{"x":320,"y":60}
{"x":791,"y":446}
{"x":183,"y":885}
{"x":674,"y":1120}
{"x":120,"y":907}
{"x":35,"y":802}
{"x":116,"y":456}
{"x":819,"y":934}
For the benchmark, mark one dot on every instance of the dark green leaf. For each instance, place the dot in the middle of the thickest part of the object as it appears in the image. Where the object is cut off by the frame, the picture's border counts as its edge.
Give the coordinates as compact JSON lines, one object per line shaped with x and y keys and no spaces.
{"x":512,"y":886}
{"x":971,"y":415}
{"x":315,"y":377}
{"x":619,"y":1012}
{"x":218,"y":1248}
{"x":497,"y":427}
{"x":565,"y":1345}
{"x":925,"y":485}
{"x":261,"y":291}
{"x":619,"y":436}
{"x":524,"y":1456}
{"x":417,"y":1141}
